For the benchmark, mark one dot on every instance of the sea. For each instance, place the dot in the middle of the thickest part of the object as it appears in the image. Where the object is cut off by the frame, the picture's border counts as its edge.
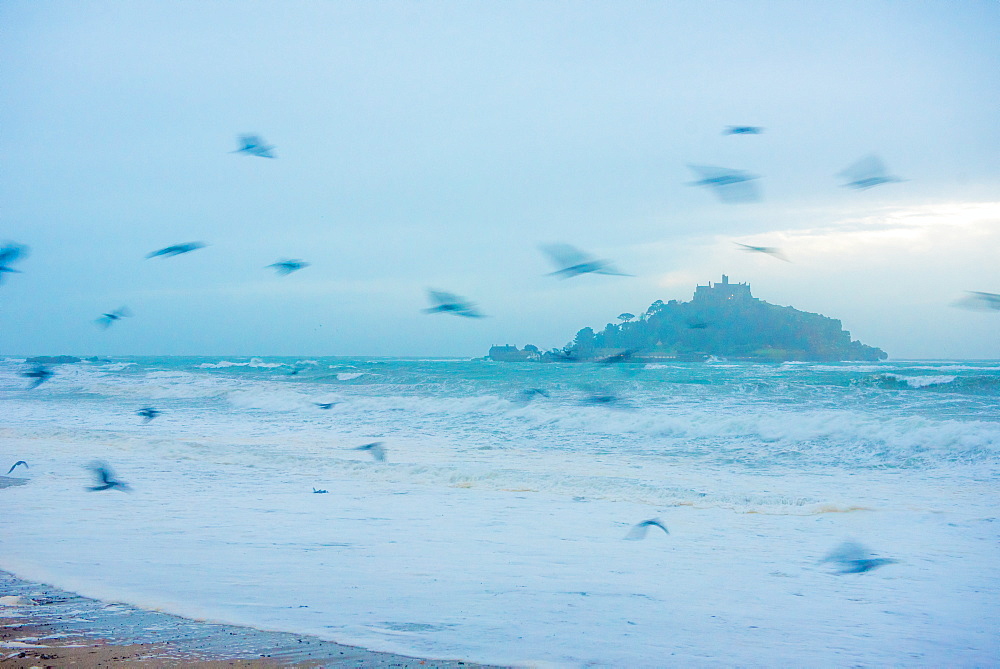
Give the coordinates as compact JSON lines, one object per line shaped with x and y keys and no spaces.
{"x":500,"y":525}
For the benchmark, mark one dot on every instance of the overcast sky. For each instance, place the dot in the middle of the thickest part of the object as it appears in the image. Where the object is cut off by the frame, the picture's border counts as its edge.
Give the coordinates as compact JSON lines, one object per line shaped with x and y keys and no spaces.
{"x":437,"y":144}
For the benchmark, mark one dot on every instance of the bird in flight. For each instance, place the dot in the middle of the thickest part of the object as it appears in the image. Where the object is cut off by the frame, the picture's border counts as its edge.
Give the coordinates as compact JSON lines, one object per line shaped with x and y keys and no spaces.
{"x":623,"y":356}
{"x":529,"y":394}
{"x":320,"y":491}
{"x":19,"y":462}
{"x":176,"y":249}
{"x":39,"y":374}
{"x":148,"y":414}
{"x":981,"y":301}
{"x":867,"y":173}
{"x":571,"y":262}
{"x":106,"y":478}
{"x":107,"y":319}
{"x":730,"y":186}
{"x":639,"y":531}
{"x":769,"y":250}
{"x":254,"y":145}
{"x":375,"y":448}
{"x":855,"y":558}
{"x":11,"y":252}
{"x":324,"y":405}
{"x":451,"y":303}
{"x":286,"y":267}
{"x":743,"y":130}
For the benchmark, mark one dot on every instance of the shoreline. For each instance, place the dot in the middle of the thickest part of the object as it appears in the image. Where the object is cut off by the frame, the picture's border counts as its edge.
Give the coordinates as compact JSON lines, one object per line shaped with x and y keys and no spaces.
{"x":49,"y":627}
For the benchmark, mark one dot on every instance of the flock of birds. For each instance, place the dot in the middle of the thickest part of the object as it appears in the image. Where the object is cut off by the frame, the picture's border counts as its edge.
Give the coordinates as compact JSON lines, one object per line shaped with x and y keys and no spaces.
{"x":729,"y":185}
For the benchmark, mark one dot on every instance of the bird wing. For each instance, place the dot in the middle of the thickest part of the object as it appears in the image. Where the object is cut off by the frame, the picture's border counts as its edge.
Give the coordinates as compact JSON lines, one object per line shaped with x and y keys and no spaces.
{"x":12,"y":252}
{"x":638,"y":532}
{"x":865,"y":168}
{"x":564,"y":256}
{"x":848,"y":551}
{"x":442,"y":298}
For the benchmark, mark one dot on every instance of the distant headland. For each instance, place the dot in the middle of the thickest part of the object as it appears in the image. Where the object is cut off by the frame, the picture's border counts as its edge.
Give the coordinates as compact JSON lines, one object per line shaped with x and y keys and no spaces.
{"x":722,"y":320}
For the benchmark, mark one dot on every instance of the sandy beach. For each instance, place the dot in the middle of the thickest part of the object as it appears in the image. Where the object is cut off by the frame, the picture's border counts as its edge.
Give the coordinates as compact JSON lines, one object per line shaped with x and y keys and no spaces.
{"x":42,"y":626}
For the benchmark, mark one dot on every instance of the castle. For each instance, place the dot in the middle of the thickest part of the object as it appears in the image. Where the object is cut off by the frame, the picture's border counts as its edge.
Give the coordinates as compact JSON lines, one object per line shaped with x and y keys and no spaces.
{"x":723,"y":292}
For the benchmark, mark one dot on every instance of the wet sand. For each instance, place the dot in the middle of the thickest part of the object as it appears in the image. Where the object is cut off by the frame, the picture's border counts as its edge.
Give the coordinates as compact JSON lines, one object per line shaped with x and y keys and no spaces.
{"x":42,"y":626}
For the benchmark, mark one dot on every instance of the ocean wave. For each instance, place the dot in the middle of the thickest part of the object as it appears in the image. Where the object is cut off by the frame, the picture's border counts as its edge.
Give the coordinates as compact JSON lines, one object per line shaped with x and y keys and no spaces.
{"x":253,"y":362}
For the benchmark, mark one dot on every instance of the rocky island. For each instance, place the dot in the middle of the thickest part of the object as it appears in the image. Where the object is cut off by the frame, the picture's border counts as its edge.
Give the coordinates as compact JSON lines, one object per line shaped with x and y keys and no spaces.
{"x":723,"y":320}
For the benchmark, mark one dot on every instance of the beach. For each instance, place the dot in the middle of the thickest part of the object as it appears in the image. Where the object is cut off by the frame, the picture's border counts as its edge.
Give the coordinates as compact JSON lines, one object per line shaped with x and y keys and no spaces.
{"x":44,"y":626}
{"x":496,"y":530}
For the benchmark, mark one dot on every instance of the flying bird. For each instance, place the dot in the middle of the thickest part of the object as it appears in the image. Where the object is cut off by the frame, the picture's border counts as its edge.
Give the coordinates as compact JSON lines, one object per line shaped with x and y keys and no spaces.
{"x":375,"y":448}
{"x":286,"y":267}
{"x":980,"y":301}
{"x":769,"y":250}
{"x":868,"y":172}
{"x":11,"y":252}
{"x":529,"y":394}
{"x":571,"y":262}
{"x":39,"y":374}
{"x":855,"y":558}
{"x":148,"y":413}
{"x":176,"y":249}
{"x":324,"y":405}
{"x":107,"y":319}
{"x":743,"y":130}
{"x":106,"y":478}
{"x":730,"y":186}
{"x":19,"y":462}
{"x":623,"y":356}
{"x":638,"y":531}
{"x":319,"y":492}
{"x":451,"y":303}
{"x":254,"y":145}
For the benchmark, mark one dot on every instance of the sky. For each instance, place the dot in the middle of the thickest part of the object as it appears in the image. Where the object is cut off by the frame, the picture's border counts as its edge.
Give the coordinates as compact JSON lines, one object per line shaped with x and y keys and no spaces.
{"x":436,"y":145}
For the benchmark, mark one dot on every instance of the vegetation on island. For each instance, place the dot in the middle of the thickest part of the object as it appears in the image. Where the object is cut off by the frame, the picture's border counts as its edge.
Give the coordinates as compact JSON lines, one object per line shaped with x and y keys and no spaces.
{"x":722,"y":320}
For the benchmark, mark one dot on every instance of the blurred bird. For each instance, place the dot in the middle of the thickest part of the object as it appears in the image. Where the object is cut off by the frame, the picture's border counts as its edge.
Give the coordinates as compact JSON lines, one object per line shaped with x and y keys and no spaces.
{"x":286,"y":267}
{"x":868,"y":172}
{"x":598,"y":397}
{"x":19,"y":462}
{"x":176,"y":249}
{"x":574,"y":262}
{"x":730,"y":186}
{"x":743,"y":130}
{"x":529,"y":394}
{"x":253,"y":145}
{"x":148,"y":413}
{"x":623,"y":356}
{"x":375,"y":448}
{"x":11,"y":252}
{"x":107,"y":319}
{"x":106,"y":478}
{"x":39,"y":374}
{"x":451,"y":303}
{"x":319,"y":492}
{"x":770,"y":250}
{"x":855,"y":558}
{"x":324,"y":405}
{"x":980,"y":301}
{"x":639,"y":531}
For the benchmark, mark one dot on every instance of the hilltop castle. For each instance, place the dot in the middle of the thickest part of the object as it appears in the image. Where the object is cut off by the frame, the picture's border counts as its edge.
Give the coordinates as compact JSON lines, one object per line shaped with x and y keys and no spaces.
{"x":723,"y":292}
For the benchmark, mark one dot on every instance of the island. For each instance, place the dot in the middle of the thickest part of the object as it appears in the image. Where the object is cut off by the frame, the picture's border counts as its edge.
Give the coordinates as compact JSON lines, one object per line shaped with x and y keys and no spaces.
{"x":722,"y":320}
